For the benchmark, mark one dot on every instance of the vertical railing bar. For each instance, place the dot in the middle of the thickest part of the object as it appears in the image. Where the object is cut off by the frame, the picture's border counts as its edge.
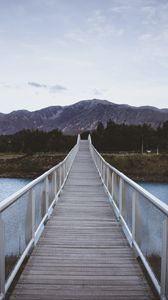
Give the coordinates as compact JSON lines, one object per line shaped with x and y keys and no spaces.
{"x":2,"y":258}
{"x":32,"y":195}
{"x":120,"y":195}
{"x":104,"y":173}
{"x":64,"y":172}
{"x":47,"y":195}
{"x":60,"y":179}
{"x":134,"y":197}
{"x":55,"y":183}
{"x":107,"y":176}
{"x":101,"y":169}
{"x":112,"y":186}
{"x":164,"y":261}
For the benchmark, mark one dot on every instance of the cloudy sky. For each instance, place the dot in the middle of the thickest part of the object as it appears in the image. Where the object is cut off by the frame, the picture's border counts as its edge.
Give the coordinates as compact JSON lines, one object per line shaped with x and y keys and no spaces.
{"x":57,"y":52}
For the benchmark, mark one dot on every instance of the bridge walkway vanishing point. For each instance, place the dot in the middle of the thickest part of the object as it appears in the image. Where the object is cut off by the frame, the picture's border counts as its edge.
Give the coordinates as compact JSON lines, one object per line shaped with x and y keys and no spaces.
{"x":82,"y":253}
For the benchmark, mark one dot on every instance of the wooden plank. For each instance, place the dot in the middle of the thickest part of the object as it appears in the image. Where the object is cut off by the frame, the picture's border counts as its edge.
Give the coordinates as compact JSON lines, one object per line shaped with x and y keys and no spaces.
{"x":82,"y":253}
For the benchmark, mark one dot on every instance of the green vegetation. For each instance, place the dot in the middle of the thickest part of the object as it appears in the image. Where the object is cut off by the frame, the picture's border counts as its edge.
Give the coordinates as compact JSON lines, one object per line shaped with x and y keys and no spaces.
{"x":26,"y":165}
{"x":29,"y":153}
{"x":146,"y":167}
{"x":29,"y":141}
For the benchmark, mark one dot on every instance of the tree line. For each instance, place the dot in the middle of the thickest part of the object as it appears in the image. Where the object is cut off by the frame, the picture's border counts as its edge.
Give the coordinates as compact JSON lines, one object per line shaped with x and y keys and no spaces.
{"x":30,"y":141}
{"x":112,"y":137}
{"x":121,"y":137}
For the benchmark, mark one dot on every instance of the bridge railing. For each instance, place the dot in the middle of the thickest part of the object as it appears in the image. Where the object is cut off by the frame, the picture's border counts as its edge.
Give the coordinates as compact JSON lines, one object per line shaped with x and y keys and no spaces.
{"x":144,"y":219}
{"x":23,"y":216}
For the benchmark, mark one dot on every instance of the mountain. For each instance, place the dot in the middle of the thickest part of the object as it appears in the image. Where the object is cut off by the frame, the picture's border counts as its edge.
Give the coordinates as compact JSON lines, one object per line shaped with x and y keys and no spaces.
{"x":81,"y":116}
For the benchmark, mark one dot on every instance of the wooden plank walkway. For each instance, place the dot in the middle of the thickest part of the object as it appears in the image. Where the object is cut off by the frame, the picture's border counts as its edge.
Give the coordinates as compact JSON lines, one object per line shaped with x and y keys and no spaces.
{"x":82,"y":253}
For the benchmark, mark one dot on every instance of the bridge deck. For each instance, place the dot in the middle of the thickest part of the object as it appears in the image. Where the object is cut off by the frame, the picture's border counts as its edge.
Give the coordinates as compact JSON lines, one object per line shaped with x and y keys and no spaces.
{"x":82,"y":253}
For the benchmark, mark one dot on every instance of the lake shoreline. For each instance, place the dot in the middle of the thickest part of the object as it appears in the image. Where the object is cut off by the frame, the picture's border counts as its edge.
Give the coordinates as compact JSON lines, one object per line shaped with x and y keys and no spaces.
{"x":28,"y":166}
{"x":138,"y":167}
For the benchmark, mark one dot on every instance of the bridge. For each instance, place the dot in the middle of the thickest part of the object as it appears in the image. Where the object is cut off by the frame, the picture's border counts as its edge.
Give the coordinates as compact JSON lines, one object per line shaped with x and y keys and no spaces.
{"x":83,"y":230}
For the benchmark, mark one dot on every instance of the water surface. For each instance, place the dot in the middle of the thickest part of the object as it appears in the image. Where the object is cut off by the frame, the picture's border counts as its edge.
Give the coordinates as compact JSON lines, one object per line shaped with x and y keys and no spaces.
{"x":8,"y":186}
{"x":160,"y":190}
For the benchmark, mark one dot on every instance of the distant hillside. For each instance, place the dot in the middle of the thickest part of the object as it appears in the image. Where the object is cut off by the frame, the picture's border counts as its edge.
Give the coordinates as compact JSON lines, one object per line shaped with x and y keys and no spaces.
{"x":81,"y":116}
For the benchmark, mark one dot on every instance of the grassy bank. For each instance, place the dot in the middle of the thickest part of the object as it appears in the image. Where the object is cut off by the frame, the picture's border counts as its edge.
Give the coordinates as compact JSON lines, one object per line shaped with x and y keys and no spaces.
{"x":146,"y":167}
{"x":28,"y":166}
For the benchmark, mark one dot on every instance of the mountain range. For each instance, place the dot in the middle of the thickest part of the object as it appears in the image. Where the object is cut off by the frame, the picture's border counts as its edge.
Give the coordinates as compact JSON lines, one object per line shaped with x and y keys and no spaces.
{"x":81,"y":116}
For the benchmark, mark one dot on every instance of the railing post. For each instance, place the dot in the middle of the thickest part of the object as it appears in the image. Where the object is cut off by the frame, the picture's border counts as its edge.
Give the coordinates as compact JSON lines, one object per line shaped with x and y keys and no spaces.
{"x":103,"y":173}
{"x":134,"y":196}
{"x":47,"y":195}
{"x":65,"y":169}
{"x":112,"y":186}
{"x":101,"y":169}
{"x":164,"y":261}
{"x":55,"y":183}
{"x":120,"y":196}
{"x":32,"y":197}
{"x":107,"y":176}
{"x":64,"y":172}
{"x":2,"y":258}
{"x":99,"y":164}
{"x":60,"y":179}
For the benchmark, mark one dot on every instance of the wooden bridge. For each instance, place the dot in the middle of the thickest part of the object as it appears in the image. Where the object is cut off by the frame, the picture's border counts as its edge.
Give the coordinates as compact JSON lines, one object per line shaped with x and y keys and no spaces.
{"x":84,"y":250}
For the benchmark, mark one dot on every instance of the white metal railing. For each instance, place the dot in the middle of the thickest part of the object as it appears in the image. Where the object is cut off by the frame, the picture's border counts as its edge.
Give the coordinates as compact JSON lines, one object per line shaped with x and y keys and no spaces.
{"x":144,"y":219}
{"x":23,"y":216}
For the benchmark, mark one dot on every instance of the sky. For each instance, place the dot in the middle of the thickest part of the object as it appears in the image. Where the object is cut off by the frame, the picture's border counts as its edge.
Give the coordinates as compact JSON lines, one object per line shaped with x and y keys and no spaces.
{"x":58,"y":52}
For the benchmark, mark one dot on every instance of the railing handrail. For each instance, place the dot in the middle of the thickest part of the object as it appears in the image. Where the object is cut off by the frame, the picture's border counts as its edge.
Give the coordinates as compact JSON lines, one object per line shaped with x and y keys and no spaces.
{"x":156,"y":201}
{"x":11,"y":199}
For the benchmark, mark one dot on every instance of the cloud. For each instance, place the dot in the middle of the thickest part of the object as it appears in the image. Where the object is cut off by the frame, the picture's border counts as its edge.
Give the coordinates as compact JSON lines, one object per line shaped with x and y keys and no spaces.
{"x":51,"y":88}
{"x":37,"y":85}
{"x":57,"y":88}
